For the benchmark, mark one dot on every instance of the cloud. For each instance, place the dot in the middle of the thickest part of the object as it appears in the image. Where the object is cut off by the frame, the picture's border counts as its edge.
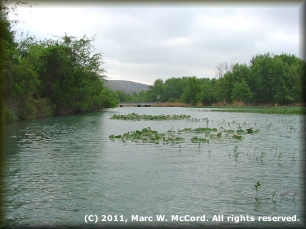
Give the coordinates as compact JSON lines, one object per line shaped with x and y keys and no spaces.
{"x":145,"y":42}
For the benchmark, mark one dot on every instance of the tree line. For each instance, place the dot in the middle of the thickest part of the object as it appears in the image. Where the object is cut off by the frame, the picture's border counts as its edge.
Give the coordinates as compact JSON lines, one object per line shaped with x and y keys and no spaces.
{"x":267,"y":79}
{"x":53,"y":76}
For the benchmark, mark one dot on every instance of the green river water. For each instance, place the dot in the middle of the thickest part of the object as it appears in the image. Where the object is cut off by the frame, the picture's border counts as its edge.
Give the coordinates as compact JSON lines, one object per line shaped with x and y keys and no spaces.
{"x":65,"y":171}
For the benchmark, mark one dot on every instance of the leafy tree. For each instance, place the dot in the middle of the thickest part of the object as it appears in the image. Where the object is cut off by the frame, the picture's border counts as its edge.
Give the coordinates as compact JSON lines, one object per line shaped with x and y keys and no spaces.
{"x":57,"y":76}
{"x":174,"y":88}
{"x":157,"y":91}
{"x":261,"y":71}
{"x":123,"y":97}
{"x":192,"y":94}
{"x":142,"y":96}
{"x":295,"y":76}
{"x":277,"y":78}
{"x":223,"y":90}
{"x":241,"y":92}
{"x":107,"y":98}
{"x":207,"y":91}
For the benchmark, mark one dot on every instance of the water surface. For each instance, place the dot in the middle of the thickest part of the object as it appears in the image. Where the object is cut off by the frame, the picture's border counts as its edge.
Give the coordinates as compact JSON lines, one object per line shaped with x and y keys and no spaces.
{"x":63,"y":168}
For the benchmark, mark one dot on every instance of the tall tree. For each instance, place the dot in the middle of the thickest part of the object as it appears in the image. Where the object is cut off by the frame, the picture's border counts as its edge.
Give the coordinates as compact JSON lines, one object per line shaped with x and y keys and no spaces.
{"x":174,"y":88}
{"x":192,"y":94}
{"x":207,"y":91}
{"x":223,"y":90}
{"x":223,"y":68}
{"x":241,"y":92}
{"x":156,"y":92}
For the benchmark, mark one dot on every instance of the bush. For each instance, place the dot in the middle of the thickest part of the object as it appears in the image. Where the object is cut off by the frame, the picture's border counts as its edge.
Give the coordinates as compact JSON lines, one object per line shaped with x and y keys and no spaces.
{"x":44,"y":108}
{"x":10,"y":116}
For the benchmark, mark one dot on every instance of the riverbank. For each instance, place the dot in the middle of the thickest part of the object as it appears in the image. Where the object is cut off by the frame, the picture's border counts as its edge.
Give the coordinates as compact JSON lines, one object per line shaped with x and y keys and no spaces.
{"x":298,"y":109}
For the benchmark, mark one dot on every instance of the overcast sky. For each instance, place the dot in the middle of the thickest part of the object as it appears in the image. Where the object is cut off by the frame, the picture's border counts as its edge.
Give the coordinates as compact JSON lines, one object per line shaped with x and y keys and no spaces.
{"x":144,"y":42}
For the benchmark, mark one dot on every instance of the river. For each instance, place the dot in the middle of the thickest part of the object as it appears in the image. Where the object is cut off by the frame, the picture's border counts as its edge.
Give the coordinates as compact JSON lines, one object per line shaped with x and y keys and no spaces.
{"x":65,"y":171}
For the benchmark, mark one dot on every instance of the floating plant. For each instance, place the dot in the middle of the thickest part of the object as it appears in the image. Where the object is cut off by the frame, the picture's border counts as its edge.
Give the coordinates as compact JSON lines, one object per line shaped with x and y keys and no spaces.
{"x":199,"y":140}
{"x":136,"y":117}
{"x":198,"y":130}
{"x":257,"y":185}
{"x":274,"y":194}
{"x":147,"y":135}
{"x":237,"y":136}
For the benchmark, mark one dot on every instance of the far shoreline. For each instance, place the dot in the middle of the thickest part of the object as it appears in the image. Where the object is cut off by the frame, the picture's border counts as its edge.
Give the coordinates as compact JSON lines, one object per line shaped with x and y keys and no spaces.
{"x":297,"y":108}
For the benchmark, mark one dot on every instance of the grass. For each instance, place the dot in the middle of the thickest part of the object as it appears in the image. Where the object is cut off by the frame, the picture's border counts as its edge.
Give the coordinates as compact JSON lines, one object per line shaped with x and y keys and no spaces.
{"x":296,"y":110}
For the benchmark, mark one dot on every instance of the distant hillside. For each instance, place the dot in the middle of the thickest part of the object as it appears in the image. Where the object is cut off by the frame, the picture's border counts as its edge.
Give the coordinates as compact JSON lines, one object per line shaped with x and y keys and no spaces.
{"x":126,"y":86}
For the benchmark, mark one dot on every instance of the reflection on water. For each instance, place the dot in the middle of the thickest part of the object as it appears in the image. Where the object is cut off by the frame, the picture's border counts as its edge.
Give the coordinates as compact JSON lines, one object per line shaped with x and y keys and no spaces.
{"x":63,"y":168}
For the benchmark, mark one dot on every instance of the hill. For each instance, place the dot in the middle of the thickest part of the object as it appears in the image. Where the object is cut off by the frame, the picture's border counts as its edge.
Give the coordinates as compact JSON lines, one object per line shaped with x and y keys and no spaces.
{"x":126,"y":86}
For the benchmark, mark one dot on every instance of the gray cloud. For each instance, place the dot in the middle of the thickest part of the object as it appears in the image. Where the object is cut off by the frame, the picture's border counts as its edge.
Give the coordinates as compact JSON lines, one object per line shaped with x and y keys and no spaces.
{"x":143,"y":43}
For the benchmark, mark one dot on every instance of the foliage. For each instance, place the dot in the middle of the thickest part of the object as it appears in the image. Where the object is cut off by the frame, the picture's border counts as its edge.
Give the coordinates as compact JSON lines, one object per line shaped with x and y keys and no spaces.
{"x":132,"y":98}
{"x":268,"y":79}
{"x":174,"y":88}
{"x":192,"y":93}
{"x":241,"y":92}
{"x":57,"y":76}
{"x":297,"y":110}
{"x":157,"y":91}
{"x":64,"y":75}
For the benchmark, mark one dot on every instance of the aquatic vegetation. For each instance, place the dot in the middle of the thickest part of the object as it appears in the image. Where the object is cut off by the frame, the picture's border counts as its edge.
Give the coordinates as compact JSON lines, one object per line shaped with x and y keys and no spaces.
{"x":241,"y":131}
{"x":235,"y":151}
{"x":147,"y":135}
{"x":279,"y":156}
{"x":198,"y":130}
{"x":251,"y":131}
{"x":237,"y":136}
{"x":257,"y":185}
{"x":199,"y":140}
{"x":137,"y":117}
{"x":274,"y":194}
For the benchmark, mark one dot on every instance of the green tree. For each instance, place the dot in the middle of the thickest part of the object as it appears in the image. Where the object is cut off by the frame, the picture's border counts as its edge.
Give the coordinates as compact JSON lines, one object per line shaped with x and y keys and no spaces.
{"x":207,"y":91}
{"x":157,"y":91}
{"x":223,"y":90}
{"x":241,"y":92}
{"x":295,"y":77}
{"x":57,"y":76}
{"x":192,"y":94}
{"x":107,"y":98}
{"x":174,"y":88}
{"x":278,"y":79}
{"x":260,"y":66}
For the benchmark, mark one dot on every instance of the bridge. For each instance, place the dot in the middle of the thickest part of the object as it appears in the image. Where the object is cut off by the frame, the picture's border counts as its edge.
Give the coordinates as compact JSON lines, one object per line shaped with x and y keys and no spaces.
{"x":135,"y":104}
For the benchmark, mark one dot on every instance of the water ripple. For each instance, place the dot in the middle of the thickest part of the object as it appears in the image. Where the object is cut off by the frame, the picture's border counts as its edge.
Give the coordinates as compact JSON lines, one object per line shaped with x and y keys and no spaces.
{"x":62,"y":168}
